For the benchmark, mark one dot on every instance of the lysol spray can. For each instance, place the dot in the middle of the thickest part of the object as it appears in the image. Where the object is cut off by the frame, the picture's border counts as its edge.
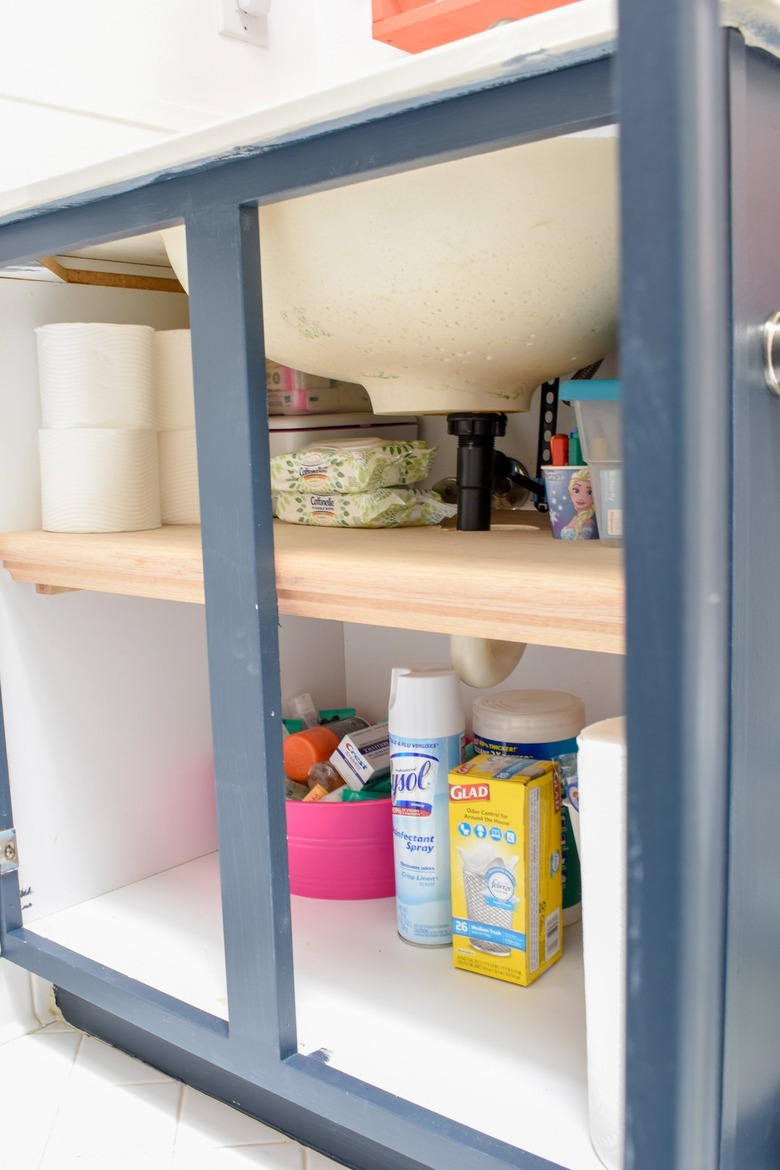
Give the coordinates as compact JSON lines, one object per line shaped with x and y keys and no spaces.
{"x":426,"y":728}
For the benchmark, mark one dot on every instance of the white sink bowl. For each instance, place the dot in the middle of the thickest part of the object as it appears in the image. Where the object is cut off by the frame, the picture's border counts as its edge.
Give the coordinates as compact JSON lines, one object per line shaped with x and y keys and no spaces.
{"x":455,"y":287}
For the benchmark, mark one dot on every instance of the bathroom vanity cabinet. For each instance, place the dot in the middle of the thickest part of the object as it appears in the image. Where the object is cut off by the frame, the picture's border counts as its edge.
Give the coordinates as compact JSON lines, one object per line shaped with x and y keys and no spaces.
{"x":310,"y":1015}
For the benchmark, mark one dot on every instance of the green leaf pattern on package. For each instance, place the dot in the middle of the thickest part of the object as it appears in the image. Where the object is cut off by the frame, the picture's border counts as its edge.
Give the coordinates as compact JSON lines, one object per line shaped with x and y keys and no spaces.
{"x":396,"y":507}
{"x":349,"y":467}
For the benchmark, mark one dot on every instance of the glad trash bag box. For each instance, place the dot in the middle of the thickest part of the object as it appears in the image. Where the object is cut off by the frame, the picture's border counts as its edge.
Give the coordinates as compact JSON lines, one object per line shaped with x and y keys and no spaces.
{"x":505,"y":842}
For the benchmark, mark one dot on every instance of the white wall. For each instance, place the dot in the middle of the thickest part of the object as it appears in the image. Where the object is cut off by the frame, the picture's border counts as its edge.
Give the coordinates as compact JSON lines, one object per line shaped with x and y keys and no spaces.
{"x":312,"y":660}
{"x":43,"y":649}
{"x":106,"y":698}
{"x":84,"y":81}
{"x":371,"y":651}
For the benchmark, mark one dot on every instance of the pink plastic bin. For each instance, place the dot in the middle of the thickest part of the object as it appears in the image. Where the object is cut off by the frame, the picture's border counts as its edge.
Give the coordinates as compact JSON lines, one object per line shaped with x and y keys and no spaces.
{"x":341,"y":850}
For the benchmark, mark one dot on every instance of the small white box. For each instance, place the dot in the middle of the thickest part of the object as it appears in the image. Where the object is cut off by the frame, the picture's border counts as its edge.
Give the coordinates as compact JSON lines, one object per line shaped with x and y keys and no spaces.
{"x":363,"y":755}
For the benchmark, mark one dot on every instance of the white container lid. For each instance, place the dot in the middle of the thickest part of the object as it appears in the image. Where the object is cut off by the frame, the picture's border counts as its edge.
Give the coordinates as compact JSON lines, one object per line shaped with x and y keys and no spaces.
{"x":528,"y":716}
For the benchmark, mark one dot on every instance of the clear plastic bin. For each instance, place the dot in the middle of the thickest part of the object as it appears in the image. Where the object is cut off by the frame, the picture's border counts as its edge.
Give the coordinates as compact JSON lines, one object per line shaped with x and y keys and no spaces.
{"x":599,"y":419}
{"x":597,"y":407}
{"x":607,"y":482}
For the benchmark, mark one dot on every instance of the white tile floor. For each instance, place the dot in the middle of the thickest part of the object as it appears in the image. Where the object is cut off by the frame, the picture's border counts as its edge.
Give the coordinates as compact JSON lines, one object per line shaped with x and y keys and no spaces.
{"x":70,"y":1102}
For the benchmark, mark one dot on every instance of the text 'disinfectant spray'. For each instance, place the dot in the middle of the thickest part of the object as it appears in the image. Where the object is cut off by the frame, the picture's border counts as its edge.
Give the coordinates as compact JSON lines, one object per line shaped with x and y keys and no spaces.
{"x":426,"y":728}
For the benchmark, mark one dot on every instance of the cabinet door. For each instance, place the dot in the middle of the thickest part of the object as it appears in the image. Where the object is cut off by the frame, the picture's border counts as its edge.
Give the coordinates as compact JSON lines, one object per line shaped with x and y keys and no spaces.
{"x":751,"y":1090}
{"x":675,"y":365}
{"x":702,"y":448}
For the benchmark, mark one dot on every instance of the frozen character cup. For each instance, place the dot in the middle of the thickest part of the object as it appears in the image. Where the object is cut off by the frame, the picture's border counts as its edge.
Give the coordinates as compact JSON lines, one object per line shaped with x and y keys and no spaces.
{"x":570,"y":501}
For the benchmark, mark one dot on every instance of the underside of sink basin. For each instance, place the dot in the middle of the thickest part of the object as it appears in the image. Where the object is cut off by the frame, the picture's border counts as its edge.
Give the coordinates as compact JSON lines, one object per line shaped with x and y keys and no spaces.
{"x":455,"y":287}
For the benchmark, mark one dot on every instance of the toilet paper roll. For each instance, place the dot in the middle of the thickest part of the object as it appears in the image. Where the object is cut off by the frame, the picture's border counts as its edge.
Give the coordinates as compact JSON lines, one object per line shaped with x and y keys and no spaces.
{"x":179,"y":499}
{"x":96,"y":375}
{"x":173,"y":379}
{"x":602,"y":779}
{"x":95,"y":479}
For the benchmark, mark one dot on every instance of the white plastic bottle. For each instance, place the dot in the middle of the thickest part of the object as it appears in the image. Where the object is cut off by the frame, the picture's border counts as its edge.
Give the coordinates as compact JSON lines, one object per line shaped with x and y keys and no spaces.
{"x":426,"y":727}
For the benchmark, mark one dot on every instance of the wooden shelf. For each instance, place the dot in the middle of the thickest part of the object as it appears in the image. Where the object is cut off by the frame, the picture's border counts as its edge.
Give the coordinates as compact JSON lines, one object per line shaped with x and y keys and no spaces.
{"x":514,"y":582}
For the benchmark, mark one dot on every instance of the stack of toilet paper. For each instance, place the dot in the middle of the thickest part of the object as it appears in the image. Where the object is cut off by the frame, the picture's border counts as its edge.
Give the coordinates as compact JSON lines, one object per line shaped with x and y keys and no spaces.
{"x":117,"y":442}
{"x":98,"y":441}
{"x":179,"y":498}
{"x":601,"y":768}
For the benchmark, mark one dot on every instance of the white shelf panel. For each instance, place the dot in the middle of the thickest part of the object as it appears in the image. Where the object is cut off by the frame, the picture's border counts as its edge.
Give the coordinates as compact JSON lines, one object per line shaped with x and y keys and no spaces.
{"x":165,"y":931}
{"x":509,"y":1061}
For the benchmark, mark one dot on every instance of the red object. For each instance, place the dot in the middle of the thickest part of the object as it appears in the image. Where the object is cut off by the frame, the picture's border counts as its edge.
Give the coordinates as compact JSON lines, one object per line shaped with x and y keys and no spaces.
{"x":417,"y":25}
{"x":559,"y":450}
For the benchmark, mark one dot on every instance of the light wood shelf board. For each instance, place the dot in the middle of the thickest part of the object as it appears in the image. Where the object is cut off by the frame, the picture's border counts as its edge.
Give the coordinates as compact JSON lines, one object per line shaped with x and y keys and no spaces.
{"x":514,"y":582}
{"x":163,"y":562}
{"x":106,"y":278}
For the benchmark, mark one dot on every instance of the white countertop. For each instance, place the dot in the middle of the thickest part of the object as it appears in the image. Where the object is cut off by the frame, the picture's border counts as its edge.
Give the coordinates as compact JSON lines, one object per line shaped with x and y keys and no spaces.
{"x":576,"y":33}
{"x":579,"y":32}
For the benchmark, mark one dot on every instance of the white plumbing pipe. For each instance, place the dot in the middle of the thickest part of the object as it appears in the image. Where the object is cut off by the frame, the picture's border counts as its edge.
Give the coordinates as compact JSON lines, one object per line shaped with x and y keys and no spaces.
{"x":484,"y":662}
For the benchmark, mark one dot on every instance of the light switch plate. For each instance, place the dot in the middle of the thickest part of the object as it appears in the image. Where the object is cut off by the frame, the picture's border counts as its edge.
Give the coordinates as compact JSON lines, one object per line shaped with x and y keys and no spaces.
{"x":232,"y":22}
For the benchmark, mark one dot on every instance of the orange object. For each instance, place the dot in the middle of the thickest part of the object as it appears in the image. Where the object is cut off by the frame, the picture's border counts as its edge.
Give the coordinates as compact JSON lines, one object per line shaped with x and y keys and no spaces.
{"x":304,"y":748}
{"x":417,"y":25}
{"x":316,"y":793}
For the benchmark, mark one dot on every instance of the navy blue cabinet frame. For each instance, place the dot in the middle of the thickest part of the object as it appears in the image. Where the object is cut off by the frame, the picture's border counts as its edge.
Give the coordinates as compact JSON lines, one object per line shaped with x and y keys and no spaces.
{"x":704,"y":920}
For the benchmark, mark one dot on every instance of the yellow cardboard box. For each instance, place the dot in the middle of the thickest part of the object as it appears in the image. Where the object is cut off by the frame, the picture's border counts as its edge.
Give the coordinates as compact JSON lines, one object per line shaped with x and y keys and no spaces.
{"x":505,"y":841}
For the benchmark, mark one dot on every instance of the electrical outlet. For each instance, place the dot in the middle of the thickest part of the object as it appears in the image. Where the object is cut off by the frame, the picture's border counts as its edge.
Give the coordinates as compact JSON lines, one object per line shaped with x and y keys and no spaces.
{"x":247,"y":23}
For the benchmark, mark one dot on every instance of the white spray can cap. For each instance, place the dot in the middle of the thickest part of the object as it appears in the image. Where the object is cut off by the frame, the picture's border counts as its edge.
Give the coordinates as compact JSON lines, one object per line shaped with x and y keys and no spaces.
{"x":425,"y":701}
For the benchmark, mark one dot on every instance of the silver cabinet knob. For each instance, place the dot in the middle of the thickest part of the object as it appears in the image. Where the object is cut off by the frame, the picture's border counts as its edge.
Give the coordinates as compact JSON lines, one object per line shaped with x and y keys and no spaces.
{"x":771,"y":344}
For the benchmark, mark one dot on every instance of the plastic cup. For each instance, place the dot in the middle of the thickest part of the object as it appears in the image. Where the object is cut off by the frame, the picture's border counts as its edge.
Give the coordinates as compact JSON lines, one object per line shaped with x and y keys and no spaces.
{"x":570,"y":502}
